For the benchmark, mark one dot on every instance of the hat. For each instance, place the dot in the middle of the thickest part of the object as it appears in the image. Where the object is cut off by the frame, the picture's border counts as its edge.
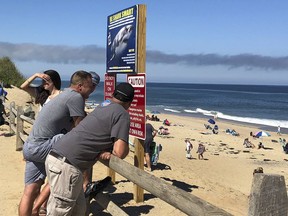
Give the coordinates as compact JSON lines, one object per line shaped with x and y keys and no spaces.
{"x":95,"y":77}
{"x":124,"y":92}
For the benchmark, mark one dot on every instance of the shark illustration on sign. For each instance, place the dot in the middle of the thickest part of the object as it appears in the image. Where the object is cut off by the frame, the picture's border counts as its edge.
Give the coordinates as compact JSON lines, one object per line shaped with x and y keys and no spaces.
{"x":120,"y":42}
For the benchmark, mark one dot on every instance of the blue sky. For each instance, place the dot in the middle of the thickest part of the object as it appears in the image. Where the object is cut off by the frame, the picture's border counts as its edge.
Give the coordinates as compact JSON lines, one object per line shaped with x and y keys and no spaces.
{"x":216,"y":41}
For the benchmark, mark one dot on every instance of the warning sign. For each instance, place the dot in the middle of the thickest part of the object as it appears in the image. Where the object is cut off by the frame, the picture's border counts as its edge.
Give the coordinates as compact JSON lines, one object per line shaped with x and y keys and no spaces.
{"x":109,"y":86}
{"x":138,"y":106}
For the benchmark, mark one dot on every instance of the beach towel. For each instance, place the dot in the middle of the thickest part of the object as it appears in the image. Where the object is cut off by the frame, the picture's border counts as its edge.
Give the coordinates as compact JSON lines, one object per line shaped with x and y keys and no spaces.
{"x":155,"y":153}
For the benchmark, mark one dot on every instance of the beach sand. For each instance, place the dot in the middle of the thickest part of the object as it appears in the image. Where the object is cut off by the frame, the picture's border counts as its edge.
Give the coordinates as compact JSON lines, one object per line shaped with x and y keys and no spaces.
{"x":223,"y":178}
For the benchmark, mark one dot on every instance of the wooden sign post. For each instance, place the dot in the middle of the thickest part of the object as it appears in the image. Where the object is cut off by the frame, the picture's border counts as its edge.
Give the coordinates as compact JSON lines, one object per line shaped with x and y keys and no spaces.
{"x":126,"y":54}
{"x":141,"y":68}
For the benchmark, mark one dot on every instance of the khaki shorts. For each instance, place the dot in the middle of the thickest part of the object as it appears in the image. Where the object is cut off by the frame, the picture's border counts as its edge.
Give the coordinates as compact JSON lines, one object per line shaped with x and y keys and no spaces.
{"x":66,"y":185}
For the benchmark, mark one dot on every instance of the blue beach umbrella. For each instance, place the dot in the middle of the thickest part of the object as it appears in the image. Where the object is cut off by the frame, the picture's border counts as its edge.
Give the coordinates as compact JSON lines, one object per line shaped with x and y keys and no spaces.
{"x":211,"y":121}
{"x":262,"y":134}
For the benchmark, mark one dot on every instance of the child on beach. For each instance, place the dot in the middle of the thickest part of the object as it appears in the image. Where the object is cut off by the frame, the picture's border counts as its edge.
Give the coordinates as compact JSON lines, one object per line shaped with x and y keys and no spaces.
{"x":260,"y":145}
{"x":188,"y":149}
{"x":200,"y":151}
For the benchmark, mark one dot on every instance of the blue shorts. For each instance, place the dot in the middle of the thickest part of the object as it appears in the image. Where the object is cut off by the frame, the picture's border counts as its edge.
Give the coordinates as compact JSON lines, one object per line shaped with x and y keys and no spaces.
{"x":35,"y":156}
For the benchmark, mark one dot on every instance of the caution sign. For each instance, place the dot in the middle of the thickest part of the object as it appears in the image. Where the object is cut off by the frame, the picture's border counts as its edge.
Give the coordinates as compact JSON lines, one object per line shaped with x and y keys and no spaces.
{"x":138,"y":106}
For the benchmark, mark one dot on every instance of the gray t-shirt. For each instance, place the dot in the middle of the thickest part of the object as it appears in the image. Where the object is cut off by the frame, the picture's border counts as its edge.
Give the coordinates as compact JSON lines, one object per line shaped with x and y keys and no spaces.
{"x":94,"y":134}
{"x":56,"y":116}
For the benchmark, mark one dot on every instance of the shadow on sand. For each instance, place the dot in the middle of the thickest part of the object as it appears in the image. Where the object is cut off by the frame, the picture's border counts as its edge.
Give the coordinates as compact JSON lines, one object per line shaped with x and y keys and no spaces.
{"x":120,"y":199}
{"x":182,"y":185}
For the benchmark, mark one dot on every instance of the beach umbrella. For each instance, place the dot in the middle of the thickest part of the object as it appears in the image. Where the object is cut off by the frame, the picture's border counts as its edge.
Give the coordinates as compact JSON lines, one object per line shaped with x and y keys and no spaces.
{"x":211,"y":121}
{"x":262,"y":134}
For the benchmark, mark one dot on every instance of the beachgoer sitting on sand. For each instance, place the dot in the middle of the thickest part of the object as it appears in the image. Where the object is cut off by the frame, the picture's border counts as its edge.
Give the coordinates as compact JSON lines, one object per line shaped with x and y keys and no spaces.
{"x":215,"y":129}
{"x":285,"y":146}
{"x":251,"y":134}
{"x":232,"y":132}
{"x":260,"y":145}
{"x":282,"y":142}
{"x":248,"y":144}
{"x":155,"y":118}
{"x":207,"y":126}
{"x":166,"y":122}
{"x":148,"y":117}
{"x":228,"y":131}
{"x":258,"y":170}
{"x":163,"y":131}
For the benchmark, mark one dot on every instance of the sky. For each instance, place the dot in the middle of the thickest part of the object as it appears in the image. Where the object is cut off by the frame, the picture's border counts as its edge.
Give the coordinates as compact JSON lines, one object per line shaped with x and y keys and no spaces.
{"x":187,"y":41}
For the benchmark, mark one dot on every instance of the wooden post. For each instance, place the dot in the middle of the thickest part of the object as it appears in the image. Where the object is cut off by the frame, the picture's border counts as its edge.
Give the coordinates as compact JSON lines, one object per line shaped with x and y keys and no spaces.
{"x":141,"y":42}
{"x":180,"y":199}
{"x":12,"y":117}
{"x":138,"y":193}
{"x":141,"y":68}
{"x":19,"y":129}
{"x":111,"y":173}
{"x":268,"y":195}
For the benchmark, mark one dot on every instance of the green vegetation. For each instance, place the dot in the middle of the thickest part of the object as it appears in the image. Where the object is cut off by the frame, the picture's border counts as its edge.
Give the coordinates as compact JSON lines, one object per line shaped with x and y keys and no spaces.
{"x":9,"y":74}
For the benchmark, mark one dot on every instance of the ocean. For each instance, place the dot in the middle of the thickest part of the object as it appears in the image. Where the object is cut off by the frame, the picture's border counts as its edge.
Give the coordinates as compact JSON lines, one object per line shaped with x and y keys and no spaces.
{"x":256,"y":104}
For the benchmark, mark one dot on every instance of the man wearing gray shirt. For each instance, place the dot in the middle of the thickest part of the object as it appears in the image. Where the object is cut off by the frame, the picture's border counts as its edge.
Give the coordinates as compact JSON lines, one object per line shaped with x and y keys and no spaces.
{"x":56,"y":118}
{"x":103,"y":132}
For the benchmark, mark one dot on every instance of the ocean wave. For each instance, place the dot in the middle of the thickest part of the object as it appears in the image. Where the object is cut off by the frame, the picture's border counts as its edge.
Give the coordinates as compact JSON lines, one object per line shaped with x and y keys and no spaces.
{"x":190,"y":111}
{"x":268,"y":122}
{"x":171,"y":110}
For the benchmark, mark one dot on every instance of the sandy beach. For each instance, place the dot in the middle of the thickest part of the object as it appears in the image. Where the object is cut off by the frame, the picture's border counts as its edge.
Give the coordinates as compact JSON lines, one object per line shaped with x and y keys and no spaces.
{"x":223,"y":178}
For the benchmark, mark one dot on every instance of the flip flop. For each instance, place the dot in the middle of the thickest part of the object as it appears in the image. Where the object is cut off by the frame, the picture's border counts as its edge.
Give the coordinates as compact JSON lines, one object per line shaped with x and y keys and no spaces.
{"x":96,"y":186}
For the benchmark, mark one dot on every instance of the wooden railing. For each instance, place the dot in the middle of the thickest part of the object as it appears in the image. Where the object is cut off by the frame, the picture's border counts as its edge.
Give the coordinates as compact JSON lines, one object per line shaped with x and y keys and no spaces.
{"x":16,"y":123}
{"x":263,"y":188}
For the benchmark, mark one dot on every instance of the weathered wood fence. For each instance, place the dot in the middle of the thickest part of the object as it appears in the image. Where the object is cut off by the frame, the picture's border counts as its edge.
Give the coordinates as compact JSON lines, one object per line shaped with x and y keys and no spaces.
{"x":268,"y":193}
{"x":16,"y":123}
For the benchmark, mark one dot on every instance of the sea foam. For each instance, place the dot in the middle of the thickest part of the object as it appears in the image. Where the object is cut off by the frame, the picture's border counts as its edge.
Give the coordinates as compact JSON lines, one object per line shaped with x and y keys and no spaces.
{"x":268,"y":122}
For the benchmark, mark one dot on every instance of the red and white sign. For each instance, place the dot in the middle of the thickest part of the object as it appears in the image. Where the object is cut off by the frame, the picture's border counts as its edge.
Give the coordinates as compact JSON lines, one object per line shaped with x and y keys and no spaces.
{"x":109,"y":85}
{"x":138,"y":106}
